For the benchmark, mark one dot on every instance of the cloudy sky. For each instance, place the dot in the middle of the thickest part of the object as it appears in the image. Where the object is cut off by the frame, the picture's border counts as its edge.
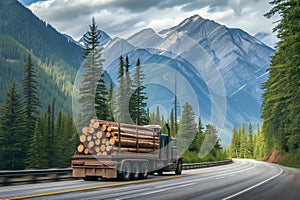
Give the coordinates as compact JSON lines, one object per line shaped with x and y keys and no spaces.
{"x":117,"y":17}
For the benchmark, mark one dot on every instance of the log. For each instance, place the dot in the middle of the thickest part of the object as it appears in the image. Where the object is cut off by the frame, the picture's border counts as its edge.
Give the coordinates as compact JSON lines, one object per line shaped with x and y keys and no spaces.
{"x":80,"y":148}
{"x":104,"y":153}
{"x":96,"y":125}
{"x":108,"y":134}
{"x":86,"y":151}
{"x":82,"y":138}
{"x":97,"y":149}
{"x":134,"y":131}
{"x":112,"y":140}
{"x":91,"y":144}
{"x":108,"y":148}
{"x":133,"y":143}
{"x":107,"y":143}
{"x":97,"y":142}
{"x":103,"y":127}
{"x":91,"y":130}
{"x":130,"y":135}
{"x":89,"y":138}
{"x":132,"y":127}
{"x":141,"y":140}
{"x":113,"y":134}
{"x":99,"y":134}
{"x":85,"y":130}
{"x":103,"y":147}
{"x":103,"y":141}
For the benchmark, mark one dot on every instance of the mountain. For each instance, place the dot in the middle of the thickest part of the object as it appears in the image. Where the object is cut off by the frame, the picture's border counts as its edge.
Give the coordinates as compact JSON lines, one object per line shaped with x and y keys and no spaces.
{"x":36,"y":34}
{"x":145,"y":38}
{"x":70,"y":39}
{"x":220,"y":68}
{"x":210,"y":56}
{"x":266,"y":38}
{"x":55,"y":58}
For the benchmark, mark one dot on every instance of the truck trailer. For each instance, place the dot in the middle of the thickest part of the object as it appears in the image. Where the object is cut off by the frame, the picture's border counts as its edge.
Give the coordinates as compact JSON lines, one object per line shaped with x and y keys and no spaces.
{"x":133,"y":152}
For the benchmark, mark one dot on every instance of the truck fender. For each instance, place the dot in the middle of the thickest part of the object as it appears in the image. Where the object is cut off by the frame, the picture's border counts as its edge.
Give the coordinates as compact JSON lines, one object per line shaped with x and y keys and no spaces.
{"x":179,"y":158}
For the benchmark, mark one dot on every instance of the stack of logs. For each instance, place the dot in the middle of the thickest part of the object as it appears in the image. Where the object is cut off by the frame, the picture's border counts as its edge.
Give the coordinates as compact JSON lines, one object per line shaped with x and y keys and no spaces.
{"x":109,"y":138}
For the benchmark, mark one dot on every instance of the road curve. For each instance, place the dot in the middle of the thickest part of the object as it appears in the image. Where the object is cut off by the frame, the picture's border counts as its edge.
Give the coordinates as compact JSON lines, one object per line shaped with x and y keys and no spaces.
{"x":243,"y":179}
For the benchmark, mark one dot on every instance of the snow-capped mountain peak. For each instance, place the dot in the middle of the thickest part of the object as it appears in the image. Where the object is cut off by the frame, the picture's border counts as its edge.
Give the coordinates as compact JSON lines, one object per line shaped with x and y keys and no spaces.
{"x":146,"y":38}
{"x":239,"y":58}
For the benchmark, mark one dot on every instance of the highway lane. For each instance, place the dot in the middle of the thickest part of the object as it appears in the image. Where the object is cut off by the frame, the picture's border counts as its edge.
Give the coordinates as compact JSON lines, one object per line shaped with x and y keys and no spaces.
{"x":244,"y":179}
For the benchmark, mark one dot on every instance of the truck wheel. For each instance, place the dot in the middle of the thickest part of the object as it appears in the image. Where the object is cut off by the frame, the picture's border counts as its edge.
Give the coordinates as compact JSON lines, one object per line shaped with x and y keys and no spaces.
{"x":144,"y":170}
{"x":126,"y":172}
{"x":179,"y":168}
{"x":135,"y":171}
{"x":160,"y":172}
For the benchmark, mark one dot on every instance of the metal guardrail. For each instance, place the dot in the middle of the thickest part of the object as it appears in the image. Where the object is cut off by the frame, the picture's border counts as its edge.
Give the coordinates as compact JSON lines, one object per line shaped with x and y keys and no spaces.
{"x":206,"y":164}
{"x":33,"y":176}
{"x":10,"y":177}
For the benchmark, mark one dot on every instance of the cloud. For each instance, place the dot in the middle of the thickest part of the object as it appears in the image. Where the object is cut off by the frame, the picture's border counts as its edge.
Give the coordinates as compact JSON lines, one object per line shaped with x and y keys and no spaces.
{"x":116,"y":16}
{"x":218,"y":6}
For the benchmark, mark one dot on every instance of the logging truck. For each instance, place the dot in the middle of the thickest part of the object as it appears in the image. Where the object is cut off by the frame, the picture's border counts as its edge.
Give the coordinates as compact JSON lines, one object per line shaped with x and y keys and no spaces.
{"x":124,"y":151}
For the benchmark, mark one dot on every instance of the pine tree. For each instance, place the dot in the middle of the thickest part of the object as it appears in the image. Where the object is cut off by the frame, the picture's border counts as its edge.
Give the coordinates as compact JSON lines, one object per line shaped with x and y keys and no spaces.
{"x":234,"y":148}
{"x":12,"y":131}
{"x":196,"y":144}
{"x":128,"y":85}
{"x":250,"y":144}
{"x":138,"y":99}
{"x":101,"y":100}
{"x":49,"y":136}
{"x":243,"y":142}
{"x":31,"y":101}
{"x":93,"y":73}
{"x":122,"y":112}
{"x":38,"y":154}
{"x":260,"y":148}
{"x":110,"y":101}
{"x":172,"y":123}
{"x":67,"y":141}
{"x":157,"y":117}
{"x":211,"y":140}
{"x":188,"y":127}
{"x":58,"y":127}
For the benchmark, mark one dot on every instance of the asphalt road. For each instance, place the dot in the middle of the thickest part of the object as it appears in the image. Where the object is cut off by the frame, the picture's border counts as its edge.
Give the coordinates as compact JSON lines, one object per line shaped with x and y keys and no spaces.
{"x":244,"y":179}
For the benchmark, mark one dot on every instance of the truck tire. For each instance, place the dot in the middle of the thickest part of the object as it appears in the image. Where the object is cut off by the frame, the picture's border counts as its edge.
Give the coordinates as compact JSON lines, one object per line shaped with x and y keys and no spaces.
{"x":160,"y":172}
{"x":144,"y":170}
{"x":135,"y":175}
{"x":125,"y":173}
{"x":179,"y":168}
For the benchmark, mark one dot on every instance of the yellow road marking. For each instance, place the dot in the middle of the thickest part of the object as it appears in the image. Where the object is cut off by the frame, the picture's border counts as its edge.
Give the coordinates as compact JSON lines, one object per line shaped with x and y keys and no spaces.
{"x":117,"y":184}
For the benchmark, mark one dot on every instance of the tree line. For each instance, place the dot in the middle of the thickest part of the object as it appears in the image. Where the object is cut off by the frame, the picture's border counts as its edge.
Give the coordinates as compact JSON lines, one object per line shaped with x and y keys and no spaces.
{"x":33,"y":137}
{"x":281,"y":98}
{"x":247,"y":144}
{"x":29,"y":136}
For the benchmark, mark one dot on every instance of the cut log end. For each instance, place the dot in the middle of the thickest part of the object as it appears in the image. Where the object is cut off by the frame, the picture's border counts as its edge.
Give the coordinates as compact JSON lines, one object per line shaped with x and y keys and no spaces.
{"x":80,"y":148}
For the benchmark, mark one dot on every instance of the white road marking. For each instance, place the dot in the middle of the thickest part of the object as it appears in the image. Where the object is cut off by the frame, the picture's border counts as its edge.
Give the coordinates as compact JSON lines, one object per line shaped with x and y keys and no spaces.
{"x":254,"y":186}
{"x":157,"y":191}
